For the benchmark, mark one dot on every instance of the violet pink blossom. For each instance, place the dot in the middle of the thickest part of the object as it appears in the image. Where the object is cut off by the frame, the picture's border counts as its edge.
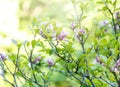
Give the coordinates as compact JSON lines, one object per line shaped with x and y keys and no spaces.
{"x":62,"y":35}
{"x":82,"y":31}
{"x":3,"y":56}
{"x":50,"y":62}
{"x":36,"y":60}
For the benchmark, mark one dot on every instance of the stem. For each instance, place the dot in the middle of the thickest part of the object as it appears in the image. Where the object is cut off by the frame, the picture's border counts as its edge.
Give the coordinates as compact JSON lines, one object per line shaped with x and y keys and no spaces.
{"x":113,"y":20}
{"x":34,"y":76}
{"x":91,"y":81}
{"x":118,"y":81}
{"x":16,"y":65}
{"x":104,"y":81}
{"x":81,"y":82}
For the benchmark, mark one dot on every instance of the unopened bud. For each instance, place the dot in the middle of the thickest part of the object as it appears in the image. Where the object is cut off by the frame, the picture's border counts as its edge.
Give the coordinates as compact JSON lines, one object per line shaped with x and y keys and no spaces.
{"x":3,"y":56}
{"x":73,"y":25}
{"x":50,"y":62}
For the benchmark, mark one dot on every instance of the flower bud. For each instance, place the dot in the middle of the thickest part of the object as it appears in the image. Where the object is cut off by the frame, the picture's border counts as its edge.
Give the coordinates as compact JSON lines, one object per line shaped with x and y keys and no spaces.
{"x":36,"y":60}
{"x":3,"y":56}
{"x":50,"y":62}
{"x":99,"y":61}
{"x":82,"y":31}
{"x":42,"y":34}
{"x":117,"y":15}
{"x":73,"y":25}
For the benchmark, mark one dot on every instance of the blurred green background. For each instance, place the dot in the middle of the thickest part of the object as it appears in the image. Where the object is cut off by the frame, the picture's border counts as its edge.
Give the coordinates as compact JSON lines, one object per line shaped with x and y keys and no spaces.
{"x":17,"y":15}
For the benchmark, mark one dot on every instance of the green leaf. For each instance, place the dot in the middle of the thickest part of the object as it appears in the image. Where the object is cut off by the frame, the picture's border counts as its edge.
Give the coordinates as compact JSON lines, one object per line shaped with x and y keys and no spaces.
{"x":89,"y":50}
{"x":104,"y":8}
{"x":33,"y":43}
{"x":36,"y":31}
{"x":19,"y":45}
{"x":52,"y":51}
{"x":109,"y":61}
{"x":100,"y":2}
{"x":57,"y":77}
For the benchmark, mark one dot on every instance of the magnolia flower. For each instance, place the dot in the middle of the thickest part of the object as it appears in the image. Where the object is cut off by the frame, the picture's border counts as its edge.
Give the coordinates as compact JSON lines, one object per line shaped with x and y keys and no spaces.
{"x":36,"y":60}
{"x":62,"y":35}
{"x":50,"y":62}
{"x":82,"y":31}
{"x":3,"y":56}
{"x":79,"y":32}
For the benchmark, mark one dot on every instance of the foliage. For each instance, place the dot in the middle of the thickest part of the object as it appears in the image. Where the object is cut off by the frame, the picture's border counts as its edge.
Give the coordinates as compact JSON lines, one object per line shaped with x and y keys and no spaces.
{"x":55,"y":56}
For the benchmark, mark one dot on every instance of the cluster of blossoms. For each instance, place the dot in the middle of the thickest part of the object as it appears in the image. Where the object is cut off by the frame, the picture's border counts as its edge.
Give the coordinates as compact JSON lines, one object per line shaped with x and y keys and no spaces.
{"x":49,"y":61}
{"x":51,"y":33}
{"x":78,"y":32}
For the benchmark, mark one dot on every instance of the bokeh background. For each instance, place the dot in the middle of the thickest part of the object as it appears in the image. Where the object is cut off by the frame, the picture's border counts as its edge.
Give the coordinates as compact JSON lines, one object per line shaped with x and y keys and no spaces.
{"x":17,"y":15}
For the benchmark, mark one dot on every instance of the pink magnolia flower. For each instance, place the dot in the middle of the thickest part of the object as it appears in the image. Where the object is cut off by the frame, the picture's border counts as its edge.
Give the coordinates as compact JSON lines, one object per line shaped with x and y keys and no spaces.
{"x":36,"y":60}
{"x":3,"y":56}
{"x":50,"y":62}
{"x":62,"y":35}
{"x":82,"y":31}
